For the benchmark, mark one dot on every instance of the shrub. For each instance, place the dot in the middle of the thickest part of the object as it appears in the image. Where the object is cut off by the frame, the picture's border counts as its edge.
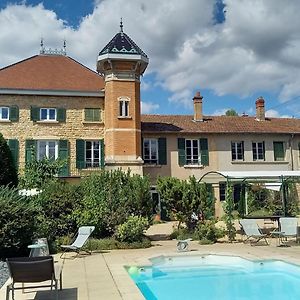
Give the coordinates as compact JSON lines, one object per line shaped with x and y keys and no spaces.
{"x":39,"y":172}
{"x":16,"y":223}
{"x":110,"y":197}
{"x":56,"y":205}
{"x":111,"y":243}
{"x":132,"y":230}
{"x":208,"y":233}
{"x":8,"y":174}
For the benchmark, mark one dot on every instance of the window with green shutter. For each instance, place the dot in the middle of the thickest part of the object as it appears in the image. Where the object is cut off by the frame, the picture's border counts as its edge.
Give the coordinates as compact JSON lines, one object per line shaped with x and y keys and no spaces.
{"x":181,"y":151}
{"x":92,"y":114}
{"x":63,"y":154}
{"x":14,"y":113}
{"x":279,"y":154}
{"x":61,"y":114}
{"x":34,"y":113}
{"x":80,"y":155}
{"x":30,"y":150}
{"x":162,"y":151}
{"x":14,"y":148}
{"x":204,"y":152}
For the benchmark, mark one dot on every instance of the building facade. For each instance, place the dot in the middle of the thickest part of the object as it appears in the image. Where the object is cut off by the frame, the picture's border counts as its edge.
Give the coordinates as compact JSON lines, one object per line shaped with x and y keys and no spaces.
{"x":52,"y":106}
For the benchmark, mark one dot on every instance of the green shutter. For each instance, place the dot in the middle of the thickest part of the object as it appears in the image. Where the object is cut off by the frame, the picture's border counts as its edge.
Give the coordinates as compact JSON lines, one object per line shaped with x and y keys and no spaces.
{"x":30,"y":150}
{"x":181,"y":151}
{"x":278,"y":151}
{"x":14,"y":113}
{"x":61,"y":114}
{"x":142,"y":148}
{"x":96,"y":117}
{"x":63,"y":154}
{"x":102,"y":157}
{"x":14,"y":148}
{"x":92,"y":114}
{"x":204,"y":152}
{"x":34,"y":113}
{"x":80,"y":157}
{"x":162,"y":151}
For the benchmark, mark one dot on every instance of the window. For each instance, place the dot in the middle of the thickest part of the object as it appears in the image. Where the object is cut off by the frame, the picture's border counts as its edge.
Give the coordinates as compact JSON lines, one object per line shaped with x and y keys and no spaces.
{"x":237,"y":150}
{"x":124,"y":108}
{"x":92,"y":114}
{"x":222,"y":191}
{"x":4,"y":113}
{"x":150,"y":148}
{"x":279,"y":153}
{"x":258,"y":150}
{"x":47,"y":149}
{"x":192,"y":152}
{"x":92,"y":154}
{"x":48,"y":114}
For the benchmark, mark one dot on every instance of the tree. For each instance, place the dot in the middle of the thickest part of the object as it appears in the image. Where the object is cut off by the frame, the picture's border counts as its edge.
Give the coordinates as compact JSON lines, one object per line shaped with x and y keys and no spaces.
{"x":231,"y":112}
{"x":8,"y":174}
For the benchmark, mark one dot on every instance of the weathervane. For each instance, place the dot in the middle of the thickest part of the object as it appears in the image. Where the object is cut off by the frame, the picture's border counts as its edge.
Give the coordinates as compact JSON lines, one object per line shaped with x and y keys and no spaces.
{"x":121,"y":25}
{"x":50,"y":51}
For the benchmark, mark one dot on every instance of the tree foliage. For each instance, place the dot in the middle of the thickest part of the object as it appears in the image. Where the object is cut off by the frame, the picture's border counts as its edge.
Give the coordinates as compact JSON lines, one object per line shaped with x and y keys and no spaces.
{"x":186,"y":201}
{"x":231,"y":112}
{"x":110,"y":197}
{"x":8,"y":173}
{"x":228,"y":207}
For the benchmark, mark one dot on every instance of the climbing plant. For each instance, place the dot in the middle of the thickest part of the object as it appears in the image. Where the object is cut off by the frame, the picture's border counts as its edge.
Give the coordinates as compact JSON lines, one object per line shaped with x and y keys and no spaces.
{"x":228,"y":209}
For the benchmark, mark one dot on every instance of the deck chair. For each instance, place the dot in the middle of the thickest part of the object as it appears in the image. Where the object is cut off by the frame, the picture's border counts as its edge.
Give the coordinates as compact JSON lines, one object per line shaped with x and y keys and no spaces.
{"x":33,"y":270}
{"x":288,"y":228}
{"x":82,"y":236}
{"x":252,"y":231}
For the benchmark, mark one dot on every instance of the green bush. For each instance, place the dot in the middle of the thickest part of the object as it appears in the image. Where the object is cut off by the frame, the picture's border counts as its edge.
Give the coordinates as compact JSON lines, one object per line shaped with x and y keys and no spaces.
{"x":132,"y":230}
{"x":112,"y":243}
{"x":8,"y":173}
{"x":56,"y":205}
{"x":182,"y":233}
{"x":208,"y":233}
{"x":110,"y":197}
{"x":17,"y":227}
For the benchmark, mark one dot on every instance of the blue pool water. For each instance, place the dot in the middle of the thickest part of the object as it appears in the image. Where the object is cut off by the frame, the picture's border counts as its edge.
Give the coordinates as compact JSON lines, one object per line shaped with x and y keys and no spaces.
{"x":215,"y":277}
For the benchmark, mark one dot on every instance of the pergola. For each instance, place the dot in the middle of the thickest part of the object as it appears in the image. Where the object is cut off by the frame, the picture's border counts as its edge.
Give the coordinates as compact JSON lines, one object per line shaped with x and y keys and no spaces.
{"x":273,"y":180}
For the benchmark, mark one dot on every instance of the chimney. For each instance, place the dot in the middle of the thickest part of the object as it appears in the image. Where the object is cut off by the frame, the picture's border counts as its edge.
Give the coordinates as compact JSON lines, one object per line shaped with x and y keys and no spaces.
{"x":198,"y":107}
{"x":260,"y":109}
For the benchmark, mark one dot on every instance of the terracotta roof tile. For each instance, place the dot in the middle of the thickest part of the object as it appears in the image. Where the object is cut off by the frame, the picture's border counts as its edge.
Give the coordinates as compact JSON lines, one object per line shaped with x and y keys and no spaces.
{"x":50,"y":72}
{"x":218,"y":124}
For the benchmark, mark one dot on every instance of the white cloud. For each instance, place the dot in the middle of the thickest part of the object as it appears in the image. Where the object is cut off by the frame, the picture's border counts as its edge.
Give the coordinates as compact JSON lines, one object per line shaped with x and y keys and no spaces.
{"x":255,"y":49}
{"x":149,"y":107}
{"x":272,"y":113}
{"x":220,"y":112}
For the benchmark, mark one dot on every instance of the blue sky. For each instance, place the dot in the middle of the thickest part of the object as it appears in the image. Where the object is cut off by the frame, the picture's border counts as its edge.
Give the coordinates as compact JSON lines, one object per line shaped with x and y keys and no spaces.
{"x":231,"y":57}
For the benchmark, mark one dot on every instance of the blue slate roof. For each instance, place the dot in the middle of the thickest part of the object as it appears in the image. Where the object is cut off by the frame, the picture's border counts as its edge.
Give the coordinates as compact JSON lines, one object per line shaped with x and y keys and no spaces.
{"x":121,"y":43}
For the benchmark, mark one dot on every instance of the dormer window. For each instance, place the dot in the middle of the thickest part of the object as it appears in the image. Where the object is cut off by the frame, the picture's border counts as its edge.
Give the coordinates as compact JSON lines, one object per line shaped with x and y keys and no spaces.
{"x":4,"y":113}
{"x":48,"y":114}
{"x":123,"y":107}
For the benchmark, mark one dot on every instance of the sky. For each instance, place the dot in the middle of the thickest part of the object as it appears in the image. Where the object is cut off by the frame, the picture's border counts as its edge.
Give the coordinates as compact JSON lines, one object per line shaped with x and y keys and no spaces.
{"x":231,"y":51}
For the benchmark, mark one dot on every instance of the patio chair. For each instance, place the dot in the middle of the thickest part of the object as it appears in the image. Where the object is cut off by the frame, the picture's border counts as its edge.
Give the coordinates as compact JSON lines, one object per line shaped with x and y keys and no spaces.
{"x":82,"y":236}
{"x":288,"y":228}
{"x":33,"y":270}
{"x":252,"y":231}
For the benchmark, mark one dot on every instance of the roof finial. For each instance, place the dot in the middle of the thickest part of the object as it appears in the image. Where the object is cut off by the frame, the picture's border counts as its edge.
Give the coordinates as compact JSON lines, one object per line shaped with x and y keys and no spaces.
{"x":121,"y":25}
{"x":42,"y":49}
{"x":65,"y":47}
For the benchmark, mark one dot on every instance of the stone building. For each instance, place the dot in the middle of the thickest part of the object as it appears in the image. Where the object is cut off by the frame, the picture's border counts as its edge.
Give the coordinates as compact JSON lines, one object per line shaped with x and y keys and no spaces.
{"x":59,"y":108}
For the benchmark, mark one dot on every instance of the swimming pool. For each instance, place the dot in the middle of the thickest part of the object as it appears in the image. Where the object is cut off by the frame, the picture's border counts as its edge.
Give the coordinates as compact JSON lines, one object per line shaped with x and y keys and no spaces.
{"x":215,"y":277}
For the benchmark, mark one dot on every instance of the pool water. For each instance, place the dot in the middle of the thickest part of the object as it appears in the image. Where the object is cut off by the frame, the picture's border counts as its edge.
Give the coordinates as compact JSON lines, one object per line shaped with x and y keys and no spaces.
{"x":215,"y":277}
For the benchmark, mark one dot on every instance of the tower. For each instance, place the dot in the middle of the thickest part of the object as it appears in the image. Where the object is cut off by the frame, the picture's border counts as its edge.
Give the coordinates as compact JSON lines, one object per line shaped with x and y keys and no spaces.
{"x":122,"y":63}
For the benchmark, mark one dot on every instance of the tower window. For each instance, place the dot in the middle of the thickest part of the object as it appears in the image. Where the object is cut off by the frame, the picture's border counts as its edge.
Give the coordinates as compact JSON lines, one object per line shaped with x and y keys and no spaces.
{"x":124,"y":108}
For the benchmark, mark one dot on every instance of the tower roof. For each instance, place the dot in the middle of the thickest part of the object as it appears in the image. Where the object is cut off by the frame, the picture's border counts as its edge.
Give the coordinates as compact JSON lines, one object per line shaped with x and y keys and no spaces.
{"x":121,"y":43}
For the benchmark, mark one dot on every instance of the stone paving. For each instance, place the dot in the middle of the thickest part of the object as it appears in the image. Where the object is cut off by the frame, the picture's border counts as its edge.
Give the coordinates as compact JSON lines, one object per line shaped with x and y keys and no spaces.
{"x":103,"y":276}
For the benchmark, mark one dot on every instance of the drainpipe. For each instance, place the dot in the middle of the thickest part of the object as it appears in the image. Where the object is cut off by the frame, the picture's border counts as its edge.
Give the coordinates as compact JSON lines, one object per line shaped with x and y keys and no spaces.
{"x":291,"y":151}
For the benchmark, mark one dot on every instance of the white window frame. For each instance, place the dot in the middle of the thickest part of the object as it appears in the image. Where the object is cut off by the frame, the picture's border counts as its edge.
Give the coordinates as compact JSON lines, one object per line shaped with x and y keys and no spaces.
{"x":235,"y":143}
{"x":47,"y":148}
{"x":193,"y":160}
{"x":150,"y":160}
{"x":1,"y":113}
{"x":124,"y":107}
{"x":48,"y":114}
{"x":255,"y":151}
{"x":92,"y":163}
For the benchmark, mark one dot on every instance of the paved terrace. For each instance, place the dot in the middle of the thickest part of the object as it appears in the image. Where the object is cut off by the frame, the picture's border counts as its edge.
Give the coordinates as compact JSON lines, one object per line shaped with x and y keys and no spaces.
{"x":102,"y":275}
